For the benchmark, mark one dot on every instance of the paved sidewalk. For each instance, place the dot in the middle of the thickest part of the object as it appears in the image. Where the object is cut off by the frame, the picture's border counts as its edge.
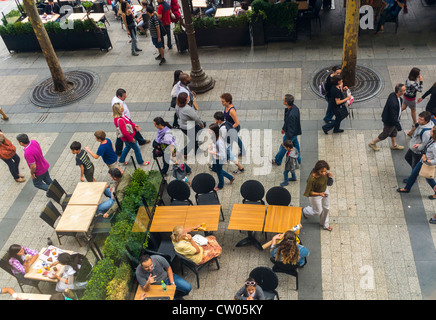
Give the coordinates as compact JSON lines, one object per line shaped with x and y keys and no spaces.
{"x":381,"y":246}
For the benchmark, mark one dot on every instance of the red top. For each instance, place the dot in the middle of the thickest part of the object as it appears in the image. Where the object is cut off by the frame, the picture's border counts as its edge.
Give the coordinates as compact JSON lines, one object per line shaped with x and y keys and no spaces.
{"x":166,"y":16}
{"x":175,"y":9}
{"x":126,"y":136}
{"x":7,"y":150}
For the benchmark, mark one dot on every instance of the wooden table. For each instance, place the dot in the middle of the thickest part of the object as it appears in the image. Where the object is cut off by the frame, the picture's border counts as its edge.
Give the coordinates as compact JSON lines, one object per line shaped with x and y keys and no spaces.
{"x":247,"y":217}
{"x":88,"y":193}
{"x":33,"y":296}
{"x":33,"y":270}
{"x":96,"y":16}
{"x":156,"y":291}
{"x":199,"y":4}
{"x":303,"y":5}
{"x":49,"y":18}
{"x":76,"y":16}
{"x":167,"y":217}
{"x":76,"y":218}
{"x":226,"y":12}
{"x":279,"y":219}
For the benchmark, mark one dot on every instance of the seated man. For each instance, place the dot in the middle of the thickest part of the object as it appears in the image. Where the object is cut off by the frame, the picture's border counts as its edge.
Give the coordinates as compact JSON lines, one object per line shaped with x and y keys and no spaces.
{"x":154,"y":269}
{"x":51,"y":8}
{"x":391,"y":11}
{"x":110,"y":206}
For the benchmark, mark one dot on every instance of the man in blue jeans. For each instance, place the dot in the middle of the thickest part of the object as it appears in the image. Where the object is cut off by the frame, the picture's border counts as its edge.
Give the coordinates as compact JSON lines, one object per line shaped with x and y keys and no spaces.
{"x":110,"y":206}
{"x":154,"y":269}
{"x":291,"y":129}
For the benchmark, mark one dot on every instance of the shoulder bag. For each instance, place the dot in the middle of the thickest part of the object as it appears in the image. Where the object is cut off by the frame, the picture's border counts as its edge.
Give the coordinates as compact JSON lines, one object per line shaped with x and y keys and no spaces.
{"x":129,"y":128}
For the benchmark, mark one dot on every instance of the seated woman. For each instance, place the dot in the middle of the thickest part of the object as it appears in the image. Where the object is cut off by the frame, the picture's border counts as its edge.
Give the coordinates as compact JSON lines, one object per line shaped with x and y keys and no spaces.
{"x":72,"y":263}
{"x":250,"y":291}
{"x":187,"y":247}
{"x":288,"y":251}
{"x":20,"y":259}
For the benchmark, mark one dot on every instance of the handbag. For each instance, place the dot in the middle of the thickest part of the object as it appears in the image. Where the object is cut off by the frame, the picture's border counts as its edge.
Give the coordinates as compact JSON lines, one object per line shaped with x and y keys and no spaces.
{"x":129,"y":128}
{"x":427,"y":171}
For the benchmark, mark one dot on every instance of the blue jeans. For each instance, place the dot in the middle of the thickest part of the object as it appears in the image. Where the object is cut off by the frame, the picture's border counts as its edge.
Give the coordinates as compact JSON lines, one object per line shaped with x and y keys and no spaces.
{"x":218,"y":169}
{"x":106,"y":205}
{"x":329,"y":113}
{"x":183,"y":287}
{"x":134,"y":40}
{"x":282,"y":151}
{"x":210,"y":12}
{"x":43,"y":181}
{"x":414,"y":175}
{"x":286,"y":176}
{"x":135,"y":147}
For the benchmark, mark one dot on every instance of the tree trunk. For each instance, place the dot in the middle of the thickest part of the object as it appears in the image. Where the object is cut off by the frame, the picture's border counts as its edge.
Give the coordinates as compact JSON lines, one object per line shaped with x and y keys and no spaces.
{"x":60,"y":83}
{"x":351,"y":36}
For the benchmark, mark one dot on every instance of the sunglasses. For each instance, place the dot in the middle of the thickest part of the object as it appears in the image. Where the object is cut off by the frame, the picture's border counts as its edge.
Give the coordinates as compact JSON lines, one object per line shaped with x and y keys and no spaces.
{"x":250,"y":283}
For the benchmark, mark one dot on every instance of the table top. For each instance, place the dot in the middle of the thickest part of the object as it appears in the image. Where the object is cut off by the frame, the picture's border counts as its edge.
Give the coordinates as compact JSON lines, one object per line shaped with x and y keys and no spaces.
{"x":199,"y":3}
{"x":209,"y":214}
{"x":33,"y":270}
{"x":44,"y":19}
{"x":167,"y":217}
{"x":249,"y":217}
{"x":76,"y":16}
{"x":76,"y":218}
{"x":88,"y":193}
{"x":156,"y":291}
{"x":96,"y":16}
{"x":281,"y":219}
{"x":303,"y":5}
{"x":226,"y":12}
{"x":33,"y":296}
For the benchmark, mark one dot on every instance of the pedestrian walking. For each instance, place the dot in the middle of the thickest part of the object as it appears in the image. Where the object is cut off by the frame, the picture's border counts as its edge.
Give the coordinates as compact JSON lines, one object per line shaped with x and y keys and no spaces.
{"x":337,"y":102}
{"x":318,"y":193}
{"x":291,"y":129}
{"x":391,"y":119}
{"x":336,"y":71}
{"x":156,"y":34}
{"x":431,"y":104}
{"x":413,"y":85}
{"x":164,"y":15}
{"x":420,"y":136}
{"x":231,"y":117}
{"x":10,"y":157}
{"x":173,"y":103}
{"x":36,"y":162}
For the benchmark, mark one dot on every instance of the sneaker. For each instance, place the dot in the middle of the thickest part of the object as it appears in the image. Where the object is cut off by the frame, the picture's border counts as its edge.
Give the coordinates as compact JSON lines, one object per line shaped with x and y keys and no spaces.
{"x":374,"y":147}
{"x":135,"y":54}
{"x":162,"y":61}
{"x":138,"y":49}
{"x":283,"y":184}
{"x":169,"y":48}
{"x":432,"y":221}
{"x":238,"y":171}
{"x":158,"y":57}
{"x":397,"y":147}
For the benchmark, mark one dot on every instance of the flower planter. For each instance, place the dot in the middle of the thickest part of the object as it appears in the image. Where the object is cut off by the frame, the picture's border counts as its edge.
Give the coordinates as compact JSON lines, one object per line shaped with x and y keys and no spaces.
{"x":277,"y":34}
{"x":60,"y":41}
{"x":220,"y":37}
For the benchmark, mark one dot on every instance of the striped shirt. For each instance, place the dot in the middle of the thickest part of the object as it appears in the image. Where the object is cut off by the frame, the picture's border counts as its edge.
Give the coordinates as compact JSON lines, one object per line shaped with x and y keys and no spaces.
{"x":153,"y":23}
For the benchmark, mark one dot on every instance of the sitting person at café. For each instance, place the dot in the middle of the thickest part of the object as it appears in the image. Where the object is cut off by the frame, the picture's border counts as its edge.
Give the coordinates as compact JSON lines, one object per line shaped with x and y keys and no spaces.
{"x":72,"y":264}
{"x":284,"y":248}
{"x":20,"y":259}
{"x":154,"y":269}
{"x":110,"y":206}
{"x":250,"y":291}
{"x":185,"y":245}
{"x":243,"y":9}
{"x":391,"y":11}
{"x":51,"y":8}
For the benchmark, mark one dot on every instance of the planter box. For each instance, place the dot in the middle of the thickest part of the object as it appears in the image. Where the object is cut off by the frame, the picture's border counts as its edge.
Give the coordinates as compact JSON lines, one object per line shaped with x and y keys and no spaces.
{"x":277,"y":34}
{"x":221,"y":37}
{"x":60,"y":41}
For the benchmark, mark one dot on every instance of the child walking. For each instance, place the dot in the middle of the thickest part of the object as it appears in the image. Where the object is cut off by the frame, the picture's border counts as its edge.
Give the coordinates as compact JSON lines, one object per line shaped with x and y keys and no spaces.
{"x":82,"y":160}
{"x":291,"y":162}
{"x":105,"y":150}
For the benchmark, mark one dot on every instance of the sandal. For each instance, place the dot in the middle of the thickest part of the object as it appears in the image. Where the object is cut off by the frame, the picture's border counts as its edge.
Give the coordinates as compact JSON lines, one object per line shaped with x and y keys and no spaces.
{"x":402,"y":190}
{"x":432,"y":197}
{"x":328,"y":229}
{"x":432,"y":221}
{"x":20,"y":180}
{"x":216,"y":188}
{"x":146,"y":163}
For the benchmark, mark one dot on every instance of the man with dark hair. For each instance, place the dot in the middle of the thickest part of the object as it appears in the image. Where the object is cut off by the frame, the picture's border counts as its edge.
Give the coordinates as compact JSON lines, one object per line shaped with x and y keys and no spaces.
{"x":82,"y":160}
{"x":420,"y":134}
{"x":156,"y":34}
{"x":183,"y":86}
{"x":391,"y":119}
{"x":154,"y":269}
{"x":120,"y":97}
{"x":114,"y":193}
{"x":336,"y":71}
{"x":291,"y":129}
{"x":163,"y":13}
{"x":51,"y":8}
{"x":36,"y":162}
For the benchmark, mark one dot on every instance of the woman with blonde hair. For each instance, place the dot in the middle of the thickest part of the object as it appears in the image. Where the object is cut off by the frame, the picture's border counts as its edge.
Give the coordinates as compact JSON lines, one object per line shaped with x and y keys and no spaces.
{"x":185,"y":245}
{"x":126,"y":132}
{"x":288,"y":251}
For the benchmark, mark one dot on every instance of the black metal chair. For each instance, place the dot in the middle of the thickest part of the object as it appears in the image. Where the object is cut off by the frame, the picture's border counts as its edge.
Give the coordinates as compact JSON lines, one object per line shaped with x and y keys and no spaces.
{"x":252,"y":192}
{"x":58,"y":194}
{"x":290,"y":269}
{"x":195,"y":267}
{"x":203,"y":185}
{"x":50,"y":215}
{"x":267,"y":280}
{"x":4,"y":264}
{"x":179,"y":193}
{"x":278,"y":196}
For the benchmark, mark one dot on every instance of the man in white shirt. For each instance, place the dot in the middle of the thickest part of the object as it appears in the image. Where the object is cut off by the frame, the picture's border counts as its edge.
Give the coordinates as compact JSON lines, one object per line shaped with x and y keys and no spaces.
{"x":120,"y":97}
